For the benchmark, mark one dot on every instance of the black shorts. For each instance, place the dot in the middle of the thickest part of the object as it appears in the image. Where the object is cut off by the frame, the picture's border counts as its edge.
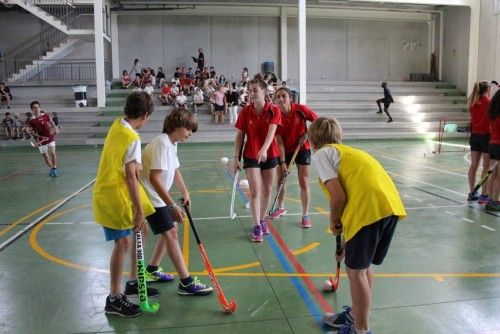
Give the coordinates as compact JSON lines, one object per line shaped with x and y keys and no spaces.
{"x":494,"y":150}
{"x":268,"y":164}
{"x":479,"y":142}
{"x":370,"y":244}
{"x":386,"y":102}
{"x":160,"y":221}
{"x":302,"y":158}
{"x":218,"y":107}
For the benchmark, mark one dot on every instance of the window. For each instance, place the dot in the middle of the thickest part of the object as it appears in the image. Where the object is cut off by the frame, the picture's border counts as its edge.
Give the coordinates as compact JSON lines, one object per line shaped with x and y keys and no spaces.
{"x":496,"y":10}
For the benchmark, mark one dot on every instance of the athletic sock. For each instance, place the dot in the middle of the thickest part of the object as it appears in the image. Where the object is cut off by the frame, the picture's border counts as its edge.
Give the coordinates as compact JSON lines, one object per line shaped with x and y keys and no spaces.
{"x":358,"y":331}
{"x":132,"y":282}
{"x":186,"y":281}
{"x":152,"y":269}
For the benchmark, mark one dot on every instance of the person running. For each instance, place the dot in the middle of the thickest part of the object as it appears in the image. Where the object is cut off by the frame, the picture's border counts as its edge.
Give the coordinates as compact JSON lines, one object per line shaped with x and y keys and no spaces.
{"x":161,"y":169}
{"x":365,"y":205}
{"x":258,"y":122}
{"x":290,"y":135}
{"x":119,"y":202}
{"x":478,"y":103}
{"x":42,"y":128}
{"x":387,"y":100}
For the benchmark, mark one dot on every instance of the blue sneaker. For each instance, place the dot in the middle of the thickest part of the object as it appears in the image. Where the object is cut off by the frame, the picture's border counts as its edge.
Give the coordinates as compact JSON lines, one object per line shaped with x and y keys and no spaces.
{"x":473,"y":196}
{"x":195,"y":288}
{"x":53,"y":172}
{"x":337,"y":320}
{"x":483,"y":199}
{"x":349,"y":329}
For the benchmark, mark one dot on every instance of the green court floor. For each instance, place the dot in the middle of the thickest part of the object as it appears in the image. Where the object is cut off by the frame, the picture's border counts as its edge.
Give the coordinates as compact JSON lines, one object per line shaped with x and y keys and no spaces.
{"x":442,"y":274}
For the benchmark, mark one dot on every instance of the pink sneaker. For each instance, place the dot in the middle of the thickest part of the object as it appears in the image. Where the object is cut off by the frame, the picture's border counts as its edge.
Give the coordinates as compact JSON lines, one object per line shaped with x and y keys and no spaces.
{"x":257,"y":234}
{"x":263,"y":227}
{"x":278,"y":212}
{"x":306,"y":221}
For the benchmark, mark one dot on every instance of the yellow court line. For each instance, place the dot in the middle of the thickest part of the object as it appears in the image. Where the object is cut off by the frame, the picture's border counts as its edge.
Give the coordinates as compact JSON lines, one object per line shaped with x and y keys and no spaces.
{"x":24,"y":218}
{"x":185,"y":242}
{"x":306,"y":249}
{"x":43,"y":253}
{"x":323,"y":212}
{"x":293,"y":199}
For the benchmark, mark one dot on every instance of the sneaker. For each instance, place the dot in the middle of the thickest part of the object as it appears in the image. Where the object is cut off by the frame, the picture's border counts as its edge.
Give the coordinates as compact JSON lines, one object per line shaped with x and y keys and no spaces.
{"x":473,"y":196}
{"x":337,"y":320}
{"x":158,"y":276}
{"x":257,"y":234}
{"x":483,"y":199}
{"x":131,"y":289}
{"x":390,"y":120}
{"x":306,"y":221}
{"x":493,"y":206}
{"x":278,"y":212}
{"x":379,"y":112}
{"x":195,"y":288}
{"x":121,"y":306}
{"x":55,"y":172}
{"x":349,"y":329}
{"x":263,"y":227}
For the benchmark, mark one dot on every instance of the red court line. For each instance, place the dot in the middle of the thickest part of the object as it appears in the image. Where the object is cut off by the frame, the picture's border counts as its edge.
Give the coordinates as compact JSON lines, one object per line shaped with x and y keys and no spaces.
{"x":309,"y":283}
{"x":15,"y":174}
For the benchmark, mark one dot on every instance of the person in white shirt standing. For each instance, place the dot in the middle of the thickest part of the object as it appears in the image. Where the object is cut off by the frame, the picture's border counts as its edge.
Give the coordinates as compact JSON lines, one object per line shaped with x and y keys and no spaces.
{"x":160,"y":171}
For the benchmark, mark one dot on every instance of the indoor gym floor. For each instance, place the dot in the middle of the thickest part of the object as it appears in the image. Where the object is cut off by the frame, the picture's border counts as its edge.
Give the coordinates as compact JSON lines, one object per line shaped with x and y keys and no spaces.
{"x":442,"y":274}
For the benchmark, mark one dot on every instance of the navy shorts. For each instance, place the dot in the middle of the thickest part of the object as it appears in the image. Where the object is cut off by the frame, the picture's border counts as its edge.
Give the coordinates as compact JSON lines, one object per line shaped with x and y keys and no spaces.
{"x":494,"y":150}
{"x":268,"y":164}
{"x":370,"y":244}
{"x":302,"y":158}
{"x":160,"y":221}
{"x":479,"y":142}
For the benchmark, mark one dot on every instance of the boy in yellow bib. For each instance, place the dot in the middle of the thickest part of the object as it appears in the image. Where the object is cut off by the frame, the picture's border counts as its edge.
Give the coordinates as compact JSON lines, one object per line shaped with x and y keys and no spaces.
{"x":365,"y":201}
{"x":119,"y":201}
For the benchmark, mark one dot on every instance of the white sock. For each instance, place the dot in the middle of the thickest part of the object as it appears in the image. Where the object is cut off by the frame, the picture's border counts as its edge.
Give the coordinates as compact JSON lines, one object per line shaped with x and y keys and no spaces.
{"x":358,"y":331}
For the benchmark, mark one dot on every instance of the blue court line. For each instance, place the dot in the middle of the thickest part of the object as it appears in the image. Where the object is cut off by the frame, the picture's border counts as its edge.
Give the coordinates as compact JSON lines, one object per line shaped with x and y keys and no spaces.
{"x":308,"y":301}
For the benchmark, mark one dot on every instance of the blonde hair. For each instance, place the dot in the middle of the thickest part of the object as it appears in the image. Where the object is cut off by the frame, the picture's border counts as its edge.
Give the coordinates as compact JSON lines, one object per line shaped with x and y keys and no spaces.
{"x":324,"y":131}
{"x":480,"y":88}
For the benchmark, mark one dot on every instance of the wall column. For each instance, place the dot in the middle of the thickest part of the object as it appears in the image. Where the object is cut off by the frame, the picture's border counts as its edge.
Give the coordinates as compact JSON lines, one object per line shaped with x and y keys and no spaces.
{"x":302,"y":52}
{"x":115,"y":59}
{"x":284,"y":43}
{"x":99,"y":54}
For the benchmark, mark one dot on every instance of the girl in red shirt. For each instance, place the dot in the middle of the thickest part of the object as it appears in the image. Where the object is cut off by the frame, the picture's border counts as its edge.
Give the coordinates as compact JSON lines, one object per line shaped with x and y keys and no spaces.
{"x":494,"y":150}
{"x":478,"y":103}
{"x":258,"y":122}
{"x":292,"y":133}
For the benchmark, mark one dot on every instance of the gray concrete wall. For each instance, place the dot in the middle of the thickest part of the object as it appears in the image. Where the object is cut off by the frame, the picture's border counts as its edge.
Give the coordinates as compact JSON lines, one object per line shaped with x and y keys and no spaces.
{"x":229,"y":43}
{"x":456,"y":46}
{"x":360,"y":49}
{"x":17,"y":27}
{"x":489,"y":43}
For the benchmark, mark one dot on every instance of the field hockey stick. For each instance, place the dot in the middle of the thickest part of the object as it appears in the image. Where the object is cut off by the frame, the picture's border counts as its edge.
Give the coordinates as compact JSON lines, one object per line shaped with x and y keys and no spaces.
{"x":141,"y":278}
{"x":37,"y":139}
{"x":338,"y":241}
{"x":232,"y":213}
{"x":229,"y":307}
{"x":485,"y":177}
{"x":281,"y":186}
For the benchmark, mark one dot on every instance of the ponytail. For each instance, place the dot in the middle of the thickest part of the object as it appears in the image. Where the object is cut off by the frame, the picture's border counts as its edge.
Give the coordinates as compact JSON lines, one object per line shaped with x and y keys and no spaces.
{"x":480,"y":88}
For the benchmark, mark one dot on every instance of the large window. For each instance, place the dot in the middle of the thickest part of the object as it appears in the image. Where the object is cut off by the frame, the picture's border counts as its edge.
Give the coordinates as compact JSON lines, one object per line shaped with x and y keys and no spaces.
{"x":497,"y":7}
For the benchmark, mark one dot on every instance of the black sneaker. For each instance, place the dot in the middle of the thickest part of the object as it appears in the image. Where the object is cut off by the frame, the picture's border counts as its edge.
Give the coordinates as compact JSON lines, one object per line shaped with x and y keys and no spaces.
{"x":131,"y":289}
{"x":195,"y":288}
{"x":121,"y":306}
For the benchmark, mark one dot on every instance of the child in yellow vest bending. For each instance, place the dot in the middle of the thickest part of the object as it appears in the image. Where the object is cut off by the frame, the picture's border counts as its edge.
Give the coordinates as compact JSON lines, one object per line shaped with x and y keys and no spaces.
{"x":365,"y":201}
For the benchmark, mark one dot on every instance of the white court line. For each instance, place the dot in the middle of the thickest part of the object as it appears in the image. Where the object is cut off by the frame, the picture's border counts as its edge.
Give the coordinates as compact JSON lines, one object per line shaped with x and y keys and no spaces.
{"x":450,"y":144}
{"x":429,"y":184}
{"x":448,"y":212}
{"x":468,"y":220}
{"x":488,"y":228}
{"x":424,"y":166}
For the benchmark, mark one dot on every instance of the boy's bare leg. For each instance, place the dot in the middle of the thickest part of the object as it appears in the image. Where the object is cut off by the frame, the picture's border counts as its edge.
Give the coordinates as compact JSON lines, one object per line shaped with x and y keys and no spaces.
{"x":169,"y":243}
{"x":53,"y":156}
{"x":47,"y":159}
{"x":361,"y":283}
{"x":116,"y":264}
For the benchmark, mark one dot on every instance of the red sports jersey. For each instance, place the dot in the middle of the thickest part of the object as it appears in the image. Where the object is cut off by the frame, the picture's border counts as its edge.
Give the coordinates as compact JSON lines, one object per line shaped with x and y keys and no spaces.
{"x":41,"y":125}
{"x":255,"y":126}
{"x":495,"y":131}
{"x":293,"y":126}
{"x":479,"y":120}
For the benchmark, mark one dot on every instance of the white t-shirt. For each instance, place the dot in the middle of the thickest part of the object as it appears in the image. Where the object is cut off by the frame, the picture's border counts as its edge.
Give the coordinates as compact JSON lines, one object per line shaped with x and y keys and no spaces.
{"x":181,"y":99}
{"x":134,"y":149}
{"x":160,"y":154}
{"x":326,"y":161}
{"x":149,"y":89}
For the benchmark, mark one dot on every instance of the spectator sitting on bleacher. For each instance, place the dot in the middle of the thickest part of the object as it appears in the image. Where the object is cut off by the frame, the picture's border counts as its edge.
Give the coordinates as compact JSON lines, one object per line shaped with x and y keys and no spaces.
{"x":222,"y":80}
{"x":126,"y":80}
{"x":174,"y":91}
{"x":8,"y":125}
{"x":177,"y":73}
{"x":244,"y":75}
{"x":5,"y":94}
{"x":165,"y":97}
{"x":181,"y":100}
{"x":18,"y":127}
{"x":149,"y":88}
{"x":213,"y":74}
{"x":136,"y":68}
{"x":147,"y":78}
{"x":190,"y":73}
{"x":160,"y":77}
{"x":198,"y":99}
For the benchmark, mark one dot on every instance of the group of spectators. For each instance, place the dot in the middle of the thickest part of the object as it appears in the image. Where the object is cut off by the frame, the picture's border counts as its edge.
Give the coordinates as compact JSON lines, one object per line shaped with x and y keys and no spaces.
{"x":200,"y":86}
{"x":18,"y":128}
